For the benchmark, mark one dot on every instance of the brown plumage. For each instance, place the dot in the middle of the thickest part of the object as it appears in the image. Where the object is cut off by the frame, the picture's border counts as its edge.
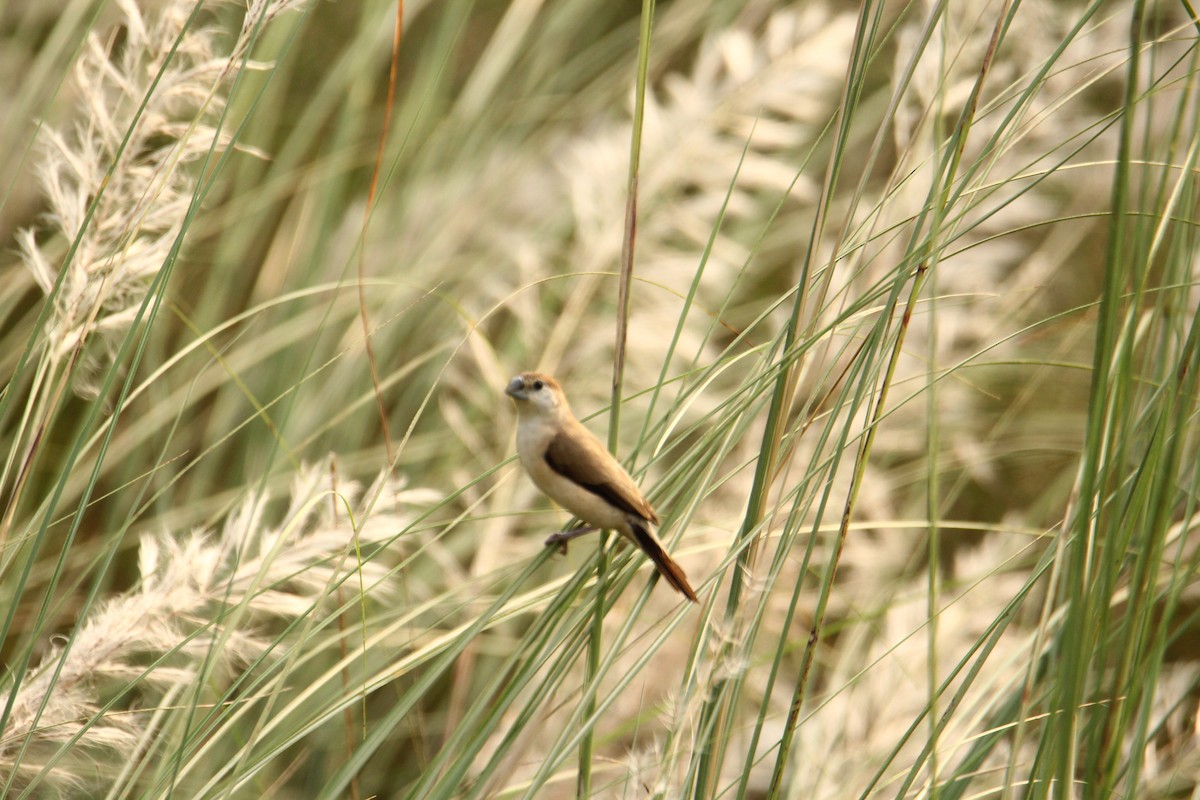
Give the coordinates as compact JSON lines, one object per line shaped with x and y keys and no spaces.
{"x":570,"y":465}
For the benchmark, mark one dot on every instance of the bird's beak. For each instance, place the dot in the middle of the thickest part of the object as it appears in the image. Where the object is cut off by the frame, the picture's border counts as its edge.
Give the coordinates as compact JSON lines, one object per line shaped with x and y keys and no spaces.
{"x":516,"y":389}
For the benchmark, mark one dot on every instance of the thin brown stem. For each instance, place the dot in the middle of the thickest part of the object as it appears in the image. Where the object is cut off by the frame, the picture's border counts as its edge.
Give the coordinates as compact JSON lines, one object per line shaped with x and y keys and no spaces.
{"x":389,"y":103}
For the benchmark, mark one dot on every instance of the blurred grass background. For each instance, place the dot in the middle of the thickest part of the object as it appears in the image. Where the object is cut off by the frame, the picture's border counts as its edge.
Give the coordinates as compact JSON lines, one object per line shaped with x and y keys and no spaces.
{"x":911,"y":379}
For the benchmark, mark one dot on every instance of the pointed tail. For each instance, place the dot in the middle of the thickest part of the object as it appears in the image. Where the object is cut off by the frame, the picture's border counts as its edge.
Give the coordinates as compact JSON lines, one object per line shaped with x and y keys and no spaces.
{"x":669,"y":569}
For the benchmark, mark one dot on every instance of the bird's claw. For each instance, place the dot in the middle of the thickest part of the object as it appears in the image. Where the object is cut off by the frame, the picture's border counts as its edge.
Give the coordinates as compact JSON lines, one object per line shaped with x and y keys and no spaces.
{"x":561,"y":538}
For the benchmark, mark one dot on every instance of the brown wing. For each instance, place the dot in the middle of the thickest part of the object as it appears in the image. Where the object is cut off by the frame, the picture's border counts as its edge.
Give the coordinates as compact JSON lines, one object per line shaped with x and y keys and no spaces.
{"x":582,"y":459}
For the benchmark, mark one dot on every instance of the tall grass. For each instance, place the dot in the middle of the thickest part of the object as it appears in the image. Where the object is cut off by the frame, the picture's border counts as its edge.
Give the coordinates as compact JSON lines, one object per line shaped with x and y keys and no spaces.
{"x":910,"y":377}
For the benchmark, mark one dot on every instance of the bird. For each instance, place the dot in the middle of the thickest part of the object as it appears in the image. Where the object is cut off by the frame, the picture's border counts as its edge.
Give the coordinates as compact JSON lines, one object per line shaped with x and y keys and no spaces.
{"x":568,"y":463}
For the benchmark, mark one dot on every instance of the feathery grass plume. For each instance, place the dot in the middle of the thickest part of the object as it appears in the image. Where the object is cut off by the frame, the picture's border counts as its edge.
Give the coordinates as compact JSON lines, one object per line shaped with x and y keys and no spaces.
{"x":767,"y":93}
{"x":876,"y":675}
{"x":724,"y":134}
{"x":120,"y":180}
{"x":201,"y":596}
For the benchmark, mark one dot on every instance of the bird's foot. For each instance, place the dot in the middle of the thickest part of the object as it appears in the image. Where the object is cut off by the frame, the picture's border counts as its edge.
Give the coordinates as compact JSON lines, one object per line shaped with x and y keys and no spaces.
{"x":563,"y":537}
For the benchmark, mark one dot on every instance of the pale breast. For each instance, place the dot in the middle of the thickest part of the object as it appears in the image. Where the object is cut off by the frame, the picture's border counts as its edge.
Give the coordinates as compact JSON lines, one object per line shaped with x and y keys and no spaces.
{"x":588,"y":506}
{"x":533,"y":435}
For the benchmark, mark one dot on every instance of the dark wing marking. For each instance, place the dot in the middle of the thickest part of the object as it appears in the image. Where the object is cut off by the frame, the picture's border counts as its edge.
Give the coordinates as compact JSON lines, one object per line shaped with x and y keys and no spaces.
{"x":582,"y":460}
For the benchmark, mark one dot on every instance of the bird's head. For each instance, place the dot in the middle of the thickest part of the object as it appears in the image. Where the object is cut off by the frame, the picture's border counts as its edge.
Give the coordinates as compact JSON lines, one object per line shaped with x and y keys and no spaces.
{"x":535,"y":392}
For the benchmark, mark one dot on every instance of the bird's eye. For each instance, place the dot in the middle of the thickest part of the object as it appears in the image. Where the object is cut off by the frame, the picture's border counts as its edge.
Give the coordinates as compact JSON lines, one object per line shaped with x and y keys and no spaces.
{"x":537,"y":386}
